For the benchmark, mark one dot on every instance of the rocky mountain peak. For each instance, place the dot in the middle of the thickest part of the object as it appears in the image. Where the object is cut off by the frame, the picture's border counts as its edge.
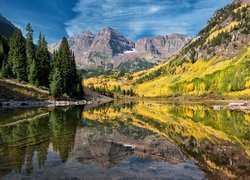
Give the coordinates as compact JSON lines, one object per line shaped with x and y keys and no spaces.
{"x":162,"y":46}
{"x":110,"y":47}
{"x":112,"y":42}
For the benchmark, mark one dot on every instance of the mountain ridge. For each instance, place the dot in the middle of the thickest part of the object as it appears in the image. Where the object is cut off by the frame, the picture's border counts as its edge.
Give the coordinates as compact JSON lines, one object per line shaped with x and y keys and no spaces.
{"x":109,"y":48}
{"x":215,"y":64}
{"x":6,"y":27}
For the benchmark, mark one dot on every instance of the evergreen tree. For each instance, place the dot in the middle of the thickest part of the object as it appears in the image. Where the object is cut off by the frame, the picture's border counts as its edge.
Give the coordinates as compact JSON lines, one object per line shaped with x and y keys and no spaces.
{"x":43,"y":63}
{"x":131,"y":92}
{"x":5,"y":69}
{"x":56,"y":84}
{"x":4,"y":48}
{"x":32,"y":76}
{"x":30,"y":54}
{"x":67,"y":68}
{"x":119,"y":89}
{"x":64,"y":61}
{"x":54,"y":63}
{"x":17,"y":56}
{"x":66,"y":58}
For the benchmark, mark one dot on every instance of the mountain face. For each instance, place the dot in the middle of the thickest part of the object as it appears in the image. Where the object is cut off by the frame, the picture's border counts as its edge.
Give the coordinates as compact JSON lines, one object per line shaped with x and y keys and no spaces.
{"x":108,"y":48}
{"x":161,"y":46}
{"x":215,"y":64}
{"x":6,"y":27}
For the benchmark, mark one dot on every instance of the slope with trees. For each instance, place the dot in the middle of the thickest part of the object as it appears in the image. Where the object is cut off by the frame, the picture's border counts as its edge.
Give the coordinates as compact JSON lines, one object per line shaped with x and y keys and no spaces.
{"x":25,"y":62}
{"x":215,"y":64}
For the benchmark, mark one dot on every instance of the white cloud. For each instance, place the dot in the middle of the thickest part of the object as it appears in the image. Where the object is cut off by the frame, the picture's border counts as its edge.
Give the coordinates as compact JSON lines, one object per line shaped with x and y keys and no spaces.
{"x":154,"y":9}
{"x":137,"y":18}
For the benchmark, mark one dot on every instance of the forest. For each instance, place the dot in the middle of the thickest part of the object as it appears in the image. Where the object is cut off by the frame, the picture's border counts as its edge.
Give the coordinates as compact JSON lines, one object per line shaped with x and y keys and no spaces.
{"x":25,"y":61}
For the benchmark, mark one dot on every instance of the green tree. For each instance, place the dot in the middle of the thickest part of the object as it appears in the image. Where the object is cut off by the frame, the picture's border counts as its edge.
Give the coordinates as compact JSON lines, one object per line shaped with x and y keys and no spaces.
{"x":64,"y":61}
{"x":17,"y":56}
{"x":43,"y":63}
{"x":68,"y":68}
{"x":56,"y":84}
{"x":30,"y":53}
{"x":5,"y":69}
{"x":32,"y":76}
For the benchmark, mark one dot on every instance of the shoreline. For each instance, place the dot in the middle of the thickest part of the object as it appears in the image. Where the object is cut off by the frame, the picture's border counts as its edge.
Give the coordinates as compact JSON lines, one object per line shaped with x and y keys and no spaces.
{"x":41,"y":103}
{"x":242,"y":105}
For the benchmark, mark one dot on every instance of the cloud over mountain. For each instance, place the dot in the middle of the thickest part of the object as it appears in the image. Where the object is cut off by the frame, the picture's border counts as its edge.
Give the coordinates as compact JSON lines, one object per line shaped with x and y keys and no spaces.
{"x":141,"y":18}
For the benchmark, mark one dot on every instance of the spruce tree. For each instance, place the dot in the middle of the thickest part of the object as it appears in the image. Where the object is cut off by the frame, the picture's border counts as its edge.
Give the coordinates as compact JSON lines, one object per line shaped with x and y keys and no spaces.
{"x":64,"y":61}
{"x":67,"y":67}
{"x":29,"y":45}
{"x":43,"y":63}
{"x":32,"y":77}
{"x":17,"y":56}
{"x":56,"y":84}
{"x":54,"y":63}
{"x":4,"y":69}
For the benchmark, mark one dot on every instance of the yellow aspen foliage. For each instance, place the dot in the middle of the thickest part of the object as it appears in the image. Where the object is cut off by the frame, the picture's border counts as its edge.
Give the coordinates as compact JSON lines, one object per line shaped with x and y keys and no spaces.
{"x":202,"y":86}
{"x":229,"y":87}
{"x":178,"y":70}
{"x":190,"y":87}
{"x":247,"y":117}
{"x":189,"y":113}
{"x":247,"y":85}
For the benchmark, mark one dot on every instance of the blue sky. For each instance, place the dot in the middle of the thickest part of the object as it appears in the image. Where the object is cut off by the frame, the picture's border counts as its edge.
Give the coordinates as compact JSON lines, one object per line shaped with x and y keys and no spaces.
{"x":133,"y":18}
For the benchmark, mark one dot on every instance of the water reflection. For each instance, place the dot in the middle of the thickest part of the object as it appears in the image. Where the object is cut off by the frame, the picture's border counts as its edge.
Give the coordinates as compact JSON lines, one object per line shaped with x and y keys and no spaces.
{"x":125,"y":139}
{"x":21,"y":140}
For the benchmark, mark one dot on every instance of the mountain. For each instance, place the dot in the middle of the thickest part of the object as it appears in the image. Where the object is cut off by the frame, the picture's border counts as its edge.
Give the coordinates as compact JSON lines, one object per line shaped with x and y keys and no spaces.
{"x":109,"y":49}
{"x":6,"y":30}
{"x":6,"y":27}
{"x":215,"y":64}
{"x":161,"y":46}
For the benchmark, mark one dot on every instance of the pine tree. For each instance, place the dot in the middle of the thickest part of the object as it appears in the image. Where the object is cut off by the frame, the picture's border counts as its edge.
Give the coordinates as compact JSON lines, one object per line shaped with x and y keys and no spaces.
{"x":4,"y":48}
{"x":56,"y":84}
{"x":43,"y":63}
{"x":32,"y":77}
{"x":64,"y":61}
{"x":17,"y":56}
{"x":5,"y":69}
{"x":67,"y":68}
{"x":65,"y":57}
{"x":30,"y":54}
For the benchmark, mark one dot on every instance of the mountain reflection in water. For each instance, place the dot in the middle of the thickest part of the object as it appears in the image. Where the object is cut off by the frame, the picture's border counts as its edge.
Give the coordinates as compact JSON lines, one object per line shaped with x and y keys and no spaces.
{"x":125,"y":140}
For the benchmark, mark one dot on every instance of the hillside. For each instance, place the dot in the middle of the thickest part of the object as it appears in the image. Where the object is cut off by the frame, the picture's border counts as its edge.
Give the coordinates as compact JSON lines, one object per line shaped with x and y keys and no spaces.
{"x":6,"y":27}
{"x":13,"y":90}
{"x":214,"y":64}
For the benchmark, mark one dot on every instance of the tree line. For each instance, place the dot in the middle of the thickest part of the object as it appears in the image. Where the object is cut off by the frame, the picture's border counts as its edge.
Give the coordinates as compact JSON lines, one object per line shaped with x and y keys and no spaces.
{"x":116,"y":90}
{"x":32,"y":63}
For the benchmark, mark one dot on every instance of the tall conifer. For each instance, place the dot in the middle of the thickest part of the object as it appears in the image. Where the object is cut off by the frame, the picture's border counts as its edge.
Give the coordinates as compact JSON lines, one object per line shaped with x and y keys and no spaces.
{"x":43,"y":63}
{"x":17,"y":56}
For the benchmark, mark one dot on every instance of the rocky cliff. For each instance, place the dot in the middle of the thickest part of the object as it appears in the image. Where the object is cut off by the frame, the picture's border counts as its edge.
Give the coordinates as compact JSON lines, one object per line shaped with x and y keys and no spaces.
{"x":110,"y":48}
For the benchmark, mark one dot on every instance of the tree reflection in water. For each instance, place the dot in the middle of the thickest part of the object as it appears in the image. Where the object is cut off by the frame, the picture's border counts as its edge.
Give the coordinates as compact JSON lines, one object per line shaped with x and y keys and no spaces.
{"x":218,"y":141}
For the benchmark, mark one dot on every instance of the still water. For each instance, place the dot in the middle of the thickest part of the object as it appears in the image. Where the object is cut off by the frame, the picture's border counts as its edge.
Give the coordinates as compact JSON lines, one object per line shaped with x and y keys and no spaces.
{"x":137,"y":140}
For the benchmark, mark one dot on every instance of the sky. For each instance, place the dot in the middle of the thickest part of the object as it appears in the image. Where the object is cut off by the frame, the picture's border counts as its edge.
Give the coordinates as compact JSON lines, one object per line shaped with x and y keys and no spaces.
{"x":132,"y":18}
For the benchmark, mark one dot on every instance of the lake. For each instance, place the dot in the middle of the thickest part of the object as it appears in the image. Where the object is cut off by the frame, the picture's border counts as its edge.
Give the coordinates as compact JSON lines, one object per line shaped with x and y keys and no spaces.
{"x":125,"y":140}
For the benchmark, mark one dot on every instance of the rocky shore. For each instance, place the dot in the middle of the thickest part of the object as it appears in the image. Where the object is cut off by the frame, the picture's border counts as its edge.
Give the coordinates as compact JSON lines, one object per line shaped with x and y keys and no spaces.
{"x":44,"y":103}
{"x":241,"y":106}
